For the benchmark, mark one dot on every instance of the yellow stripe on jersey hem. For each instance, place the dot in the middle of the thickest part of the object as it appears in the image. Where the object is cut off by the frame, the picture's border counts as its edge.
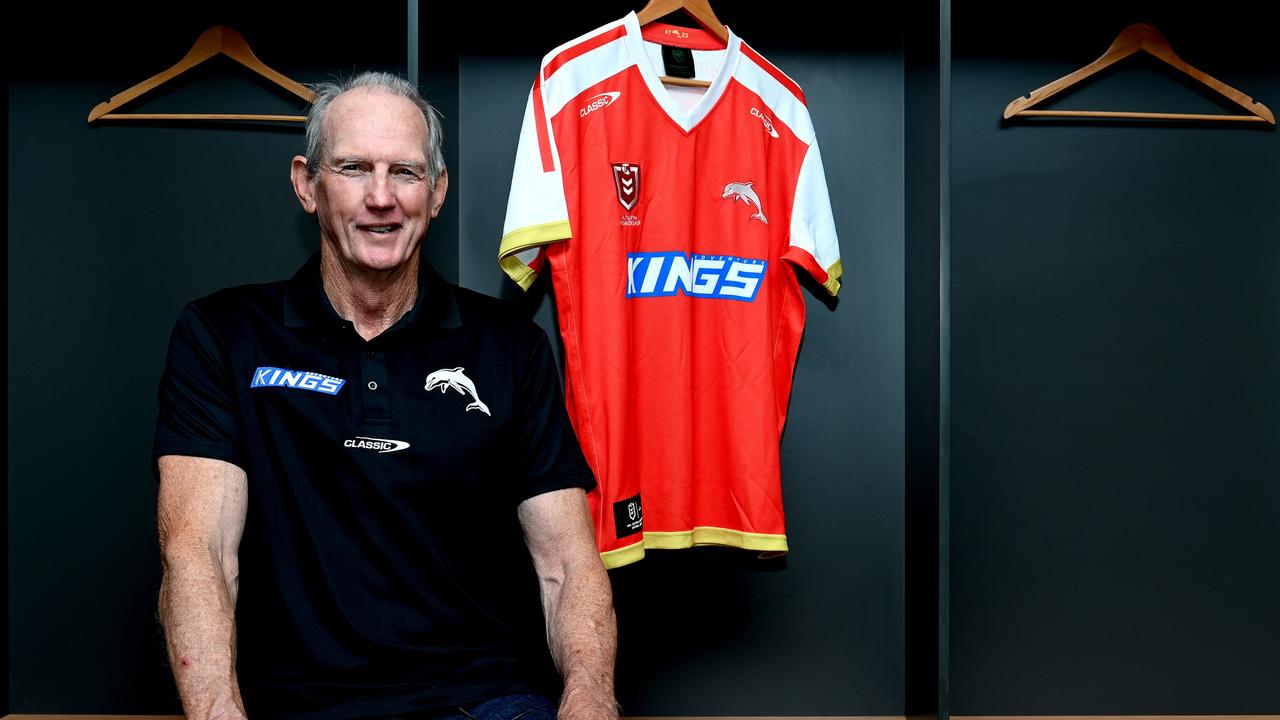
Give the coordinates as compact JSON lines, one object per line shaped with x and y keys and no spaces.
{"x":833,"y":277}
{"x":767,"y":545}
{"x":704,"y":535}
{"x":623,"y":556}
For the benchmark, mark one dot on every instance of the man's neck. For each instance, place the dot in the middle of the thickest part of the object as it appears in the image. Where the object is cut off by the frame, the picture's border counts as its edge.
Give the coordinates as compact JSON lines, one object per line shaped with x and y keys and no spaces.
{"x":372,"y":301}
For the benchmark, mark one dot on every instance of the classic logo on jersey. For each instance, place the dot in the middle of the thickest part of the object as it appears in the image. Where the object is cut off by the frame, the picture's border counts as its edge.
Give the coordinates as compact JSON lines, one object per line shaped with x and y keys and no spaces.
{"x":456,"y":379}
{"x":721,"y":277}
{"x":599,"y":102}
{"x":768,"y":121}
{"x":678,"y":33}
{"x":296,"y":379}
{"x":626,"y":177}
{"x":628,"y":516}
{"x":742,"y":192}
{"x":382,"y":445}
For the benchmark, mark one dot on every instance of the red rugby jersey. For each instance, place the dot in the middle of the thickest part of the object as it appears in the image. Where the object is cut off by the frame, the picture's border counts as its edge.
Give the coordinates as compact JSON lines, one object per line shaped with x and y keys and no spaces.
{"x":666,"y":225}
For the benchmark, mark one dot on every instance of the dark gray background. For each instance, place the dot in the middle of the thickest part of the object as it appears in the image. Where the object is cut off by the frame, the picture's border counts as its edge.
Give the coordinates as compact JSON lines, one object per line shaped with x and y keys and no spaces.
{"x":114,"y":226}
{"x":1114,"y":335}
{"x":1115,"y":405}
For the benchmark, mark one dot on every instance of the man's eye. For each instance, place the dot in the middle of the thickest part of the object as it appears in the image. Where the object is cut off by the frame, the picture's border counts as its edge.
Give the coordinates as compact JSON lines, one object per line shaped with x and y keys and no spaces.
{"x":349,"y":167}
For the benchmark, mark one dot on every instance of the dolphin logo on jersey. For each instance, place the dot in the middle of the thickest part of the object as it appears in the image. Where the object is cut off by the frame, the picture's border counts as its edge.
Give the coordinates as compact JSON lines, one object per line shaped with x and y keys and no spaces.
{"x":445,"y":379}
{"x":741,"y":191}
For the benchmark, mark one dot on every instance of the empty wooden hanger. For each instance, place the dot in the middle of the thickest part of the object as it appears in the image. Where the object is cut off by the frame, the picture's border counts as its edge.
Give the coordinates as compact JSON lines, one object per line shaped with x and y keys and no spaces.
{"x":1139,"y":36}
{"x":218,"y":40}
{"x":700,"y":11}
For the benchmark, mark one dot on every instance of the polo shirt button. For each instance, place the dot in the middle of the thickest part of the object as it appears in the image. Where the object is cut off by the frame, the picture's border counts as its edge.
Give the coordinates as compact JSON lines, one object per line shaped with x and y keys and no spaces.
{"x":373,"y":385}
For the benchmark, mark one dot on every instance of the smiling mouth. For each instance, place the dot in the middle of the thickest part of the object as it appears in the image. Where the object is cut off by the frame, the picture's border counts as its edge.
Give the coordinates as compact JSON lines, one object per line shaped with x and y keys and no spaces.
{"x":380,"y":229}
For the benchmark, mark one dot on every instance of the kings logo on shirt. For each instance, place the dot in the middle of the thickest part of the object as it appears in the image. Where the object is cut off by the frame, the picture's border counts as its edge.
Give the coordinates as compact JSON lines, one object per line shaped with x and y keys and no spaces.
{"x":720,"y":277}
{"x":297,"y":380}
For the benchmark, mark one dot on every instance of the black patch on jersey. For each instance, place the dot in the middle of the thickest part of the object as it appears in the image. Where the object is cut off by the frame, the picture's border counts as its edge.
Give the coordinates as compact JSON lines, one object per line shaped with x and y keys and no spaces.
{"x":628,"y":517}
{"x":678,"y":62}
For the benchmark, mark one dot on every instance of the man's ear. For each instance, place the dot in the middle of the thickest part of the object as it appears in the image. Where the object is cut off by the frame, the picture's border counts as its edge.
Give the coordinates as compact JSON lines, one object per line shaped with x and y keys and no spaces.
{"x":438,"y":193}
{"x":302,"y":186}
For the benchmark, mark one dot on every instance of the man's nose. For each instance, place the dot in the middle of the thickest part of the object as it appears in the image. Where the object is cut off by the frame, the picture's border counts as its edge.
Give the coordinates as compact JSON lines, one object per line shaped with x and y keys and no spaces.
{"x":380,"y":192}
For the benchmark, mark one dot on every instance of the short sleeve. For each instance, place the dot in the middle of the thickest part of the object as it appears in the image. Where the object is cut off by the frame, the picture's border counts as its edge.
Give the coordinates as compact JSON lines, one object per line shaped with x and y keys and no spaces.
{"x":814,"y":246}
{"x":537,"y":213}
{"x":549,"y":452}
{"x":198,"y":415}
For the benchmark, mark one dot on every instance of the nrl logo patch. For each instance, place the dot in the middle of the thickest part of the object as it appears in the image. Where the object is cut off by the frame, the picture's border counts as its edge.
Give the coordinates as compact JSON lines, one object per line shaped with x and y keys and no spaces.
{"x":626,"y":177}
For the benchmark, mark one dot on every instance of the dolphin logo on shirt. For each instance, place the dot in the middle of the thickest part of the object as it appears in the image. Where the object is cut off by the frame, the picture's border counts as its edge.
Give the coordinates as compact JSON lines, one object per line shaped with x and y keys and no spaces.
{"x":445,"y":379}
{"x":741,"y":191}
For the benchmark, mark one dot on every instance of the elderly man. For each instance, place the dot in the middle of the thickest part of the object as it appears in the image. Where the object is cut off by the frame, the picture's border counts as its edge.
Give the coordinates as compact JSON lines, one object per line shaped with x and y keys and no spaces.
{"x":367,"y":474}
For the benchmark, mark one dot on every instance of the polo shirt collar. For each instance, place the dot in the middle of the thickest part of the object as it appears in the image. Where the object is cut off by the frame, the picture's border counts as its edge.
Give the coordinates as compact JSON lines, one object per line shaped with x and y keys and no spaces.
{"x":307,"y":305}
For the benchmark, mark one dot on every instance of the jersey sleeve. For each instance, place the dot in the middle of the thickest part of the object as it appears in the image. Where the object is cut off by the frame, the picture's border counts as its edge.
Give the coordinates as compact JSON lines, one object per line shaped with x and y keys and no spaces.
{"x":198,"y":416}
{"x":537,"y":214}
{"x":814,"y":246}
{"x":548,"y":448}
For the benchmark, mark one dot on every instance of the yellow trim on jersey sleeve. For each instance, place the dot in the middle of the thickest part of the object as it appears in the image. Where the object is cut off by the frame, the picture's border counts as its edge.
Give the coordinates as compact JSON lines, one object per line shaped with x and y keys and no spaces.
{"x":715,"y":536}
{"x":623,"y":556}
{"x":833,"y":277}
{"x":518,"y":241}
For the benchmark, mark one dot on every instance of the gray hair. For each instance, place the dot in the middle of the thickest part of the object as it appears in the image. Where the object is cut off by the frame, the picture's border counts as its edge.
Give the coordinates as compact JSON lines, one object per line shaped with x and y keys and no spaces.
{"x":317,"y":142}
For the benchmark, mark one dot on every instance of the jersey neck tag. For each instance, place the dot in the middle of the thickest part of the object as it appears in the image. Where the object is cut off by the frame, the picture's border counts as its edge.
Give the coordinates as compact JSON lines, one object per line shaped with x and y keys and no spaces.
{"x":677,"y":62}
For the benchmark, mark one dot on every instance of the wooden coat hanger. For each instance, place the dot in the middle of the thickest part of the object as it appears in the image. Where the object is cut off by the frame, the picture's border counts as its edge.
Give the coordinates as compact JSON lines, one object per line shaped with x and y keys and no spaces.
{"x":699,"y":10}
{"x":218,"y":40}
{"x":1139,"y":36}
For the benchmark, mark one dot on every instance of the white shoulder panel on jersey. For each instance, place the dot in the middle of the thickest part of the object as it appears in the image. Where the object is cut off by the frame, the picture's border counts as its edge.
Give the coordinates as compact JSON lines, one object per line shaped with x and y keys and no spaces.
{"x":580,"y":73}
{"x":537,"y":195}
{"x":785,"y":105}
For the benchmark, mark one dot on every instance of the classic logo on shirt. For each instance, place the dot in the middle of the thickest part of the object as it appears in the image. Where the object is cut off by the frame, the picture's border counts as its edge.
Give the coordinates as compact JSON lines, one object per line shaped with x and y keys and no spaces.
{"x":445,"y":379}
{"x":296,"y":379}
{"x":768,"y":121}
{"x":382,"y":445}
{"x":721,"y":277}
{"x":742,"y":192}
{"x":599,"y":102}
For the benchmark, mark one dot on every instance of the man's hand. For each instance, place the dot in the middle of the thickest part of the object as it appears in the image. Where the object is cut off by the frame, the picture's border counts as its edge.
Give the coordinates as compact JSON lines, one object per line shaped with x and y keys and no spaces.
{"x":576,"y":600}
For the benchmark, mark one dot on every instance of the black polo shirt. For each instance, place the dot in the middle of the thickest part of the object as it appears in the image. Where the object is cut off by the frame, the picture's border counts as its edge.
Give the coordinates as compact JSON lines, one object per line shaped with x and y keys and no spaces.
{"x":382,"y":566}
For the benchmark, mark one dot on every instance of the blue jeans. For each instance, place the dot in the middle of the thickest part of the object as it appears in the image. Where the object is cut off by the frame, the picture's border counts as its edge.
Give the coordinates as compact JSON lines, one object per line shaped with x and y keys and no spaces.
{"x":520,"y":706}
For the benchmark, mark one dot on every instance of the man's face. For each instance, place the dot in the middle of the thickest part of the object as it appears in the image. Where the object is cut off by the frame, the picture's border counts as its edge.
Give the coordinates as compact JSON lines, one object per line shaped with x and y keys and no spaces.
{"x":371,"y":194}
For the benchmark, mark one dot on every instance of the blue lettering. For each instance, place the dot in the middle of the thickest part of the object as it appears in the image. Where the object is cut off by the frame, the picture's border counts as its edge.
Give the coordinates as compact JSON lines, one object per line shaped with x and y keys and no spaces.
{"x":299,"y":379}
{"x":721,"y":277}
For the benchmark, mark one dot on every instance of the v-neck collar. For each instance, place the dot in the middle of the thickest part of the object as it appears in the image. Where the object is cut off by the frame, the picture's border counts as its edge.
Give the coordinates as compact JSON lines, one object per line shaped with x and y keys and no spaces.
{"x":687,"y":120}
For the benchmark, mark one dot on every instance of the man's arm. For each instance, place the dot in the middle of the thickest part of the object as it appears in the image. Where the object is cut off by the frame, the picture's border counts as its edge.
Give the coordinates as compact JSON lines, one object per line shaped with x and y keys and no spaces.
{"x":201,"y":512}
{"x":576,"y":599}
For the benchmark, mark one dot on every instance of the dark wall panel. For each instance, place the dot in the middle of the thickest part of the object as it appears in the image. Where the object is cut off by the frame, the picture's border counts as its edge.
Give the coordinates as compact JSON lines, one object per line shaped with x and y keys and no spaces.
{"x":704,"y":632}
{"x":112,"y":228}
{"x":1116,"y":411}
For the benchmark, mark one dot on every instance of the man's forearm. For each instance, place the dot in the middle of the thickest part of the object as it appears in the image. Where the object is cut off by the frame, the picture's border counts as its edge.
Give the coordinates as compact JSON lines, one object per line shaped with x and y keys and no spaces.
{"x":197,"y":610}
{"x":582,"y":634}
